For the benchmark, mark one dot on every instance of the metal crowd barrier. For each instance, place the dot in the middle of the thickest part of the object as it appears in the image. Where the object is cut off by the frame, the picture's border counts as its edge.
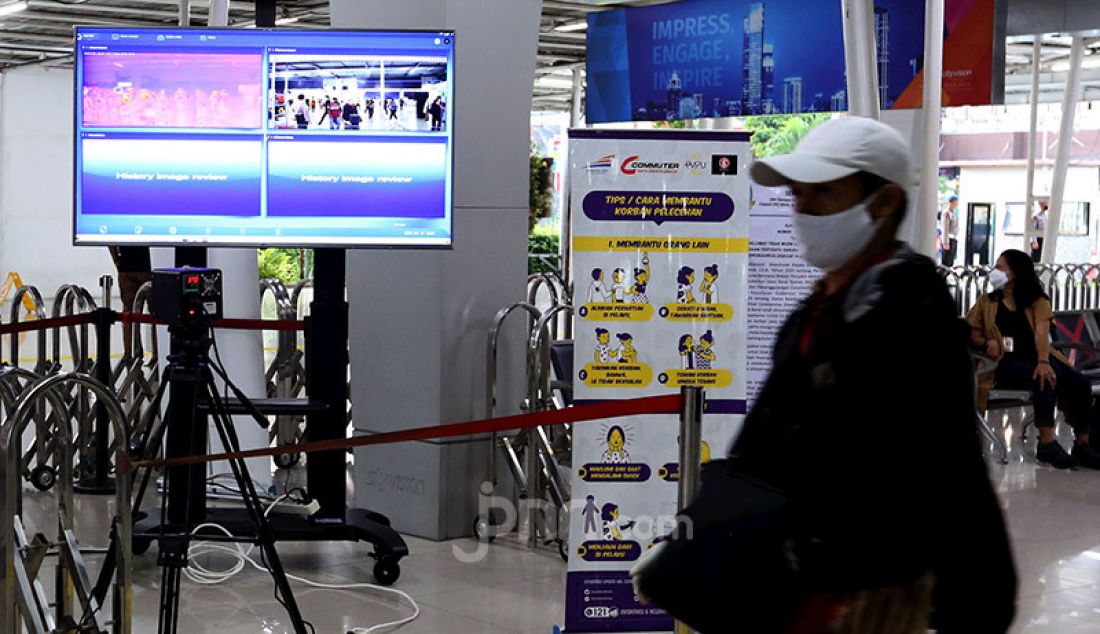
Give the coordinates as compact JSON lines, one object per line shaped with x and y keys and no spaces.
{"x":39,"y":465}
{"x":537,"y":474}
{"x":560,"y":293}
{"x":1070,"y":286}
{"x":135,"y":377}
{"x":23,"y":600}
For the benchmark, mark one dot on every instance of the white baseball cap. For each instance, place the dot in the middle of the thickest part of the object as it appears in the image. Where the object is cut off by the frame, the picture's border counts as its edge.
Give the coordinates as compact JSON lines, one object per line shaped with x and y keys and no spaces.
{"x":839,"y":148}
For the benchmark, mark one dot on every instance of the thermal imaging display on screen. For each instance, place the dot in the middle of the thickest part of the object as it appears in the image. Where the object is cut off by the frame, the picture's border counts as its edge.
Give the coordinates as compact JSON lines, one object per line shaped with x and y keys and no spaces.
{"x":262,"y":137}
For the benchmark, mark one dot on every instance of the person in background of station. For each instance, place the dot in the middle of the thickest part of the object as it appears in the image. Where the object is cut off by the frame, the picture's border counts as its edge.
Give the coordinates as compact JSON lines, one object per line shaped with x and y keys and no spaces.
{"x":370,"y":109}
{"x":641,"y":281}
{"x":301,"y":112}
{"x":883,"y":470}
{"x":391,"y":107}
{"x":949,"y":223}
{"x":351,"y":116}
{"x":435,"y":114}
{"x":1039,"y":225}
{"x":707,"y":286}
{"x":335,"y":112}
{"x":1012,"y":326}
{"x":684,"y":279}
{"x":134,"y":269}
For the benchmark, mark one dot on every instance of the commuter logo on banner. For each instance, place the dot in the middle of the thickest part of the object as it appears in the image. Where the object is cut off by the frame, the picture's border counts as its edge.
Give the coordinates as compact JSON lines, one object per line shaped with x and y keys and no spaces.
{"x":634,"y":165}
{"x":601,"y":165}
{"x":723,"y":165}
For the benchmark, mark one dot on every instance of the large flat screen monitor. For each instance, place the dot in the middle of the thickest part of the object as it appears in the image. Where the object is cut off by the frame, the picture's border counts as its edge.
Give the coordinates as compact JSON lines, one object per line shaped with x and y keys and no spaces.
{"x":253,"y":137}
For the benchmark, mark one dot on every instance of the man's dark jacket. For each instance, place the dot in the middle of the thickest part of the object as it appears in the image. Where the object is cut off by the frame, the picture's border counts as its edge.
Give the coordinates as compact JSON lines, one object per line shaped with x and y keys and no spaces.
{"x":867,"y":423}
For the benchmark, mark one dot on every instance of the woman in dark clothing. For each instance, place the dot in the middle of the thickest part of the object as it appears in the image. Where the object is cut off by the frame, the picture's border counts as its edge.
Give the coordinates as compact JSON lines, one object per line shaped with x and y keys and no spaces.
{"x":1012,"y":326}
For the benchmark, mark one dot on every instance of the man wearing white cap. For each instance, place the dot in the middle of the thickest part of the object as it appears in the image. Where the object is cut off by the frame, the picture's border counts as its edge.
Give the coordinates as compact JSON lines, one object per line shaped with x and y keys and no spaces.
{"x":880,"y":461}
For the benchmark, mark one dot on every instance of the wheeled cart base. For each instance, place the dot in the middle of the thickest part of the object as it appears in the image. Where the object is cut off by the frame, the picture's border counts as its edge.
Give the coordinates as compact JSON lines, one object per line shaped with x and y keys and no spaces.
{"x":361,"y":526}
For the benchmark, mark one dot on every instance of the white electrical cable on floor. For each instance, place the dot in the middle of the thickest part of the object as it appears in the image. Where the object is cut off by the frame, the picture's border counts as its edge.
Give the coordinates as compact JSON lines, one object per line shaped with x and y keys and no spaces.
{"x":204,"y":576}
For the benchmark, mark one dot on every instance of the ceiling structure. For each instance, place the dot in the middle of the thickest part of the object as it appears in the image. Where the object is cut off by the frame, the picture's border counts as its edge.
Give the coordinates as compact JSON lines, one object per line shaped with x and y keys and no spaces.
{"x":1053,"y":62}
{"x":40,"y":32}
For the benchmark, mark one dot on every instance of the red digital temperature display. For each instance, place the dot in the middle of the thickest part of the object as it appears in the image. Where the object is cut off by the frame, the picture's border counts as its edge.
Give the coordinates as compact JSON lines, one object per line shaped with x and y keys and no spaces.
{"x":193,"y":280}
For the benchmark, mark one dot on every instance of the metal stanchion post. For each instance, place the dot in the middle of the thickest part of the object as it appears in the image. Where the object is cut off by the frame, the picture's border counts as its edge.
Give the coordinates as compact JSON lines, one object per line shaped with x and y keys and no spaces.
{"x":691,"y":437}
{"x":101,"y":483}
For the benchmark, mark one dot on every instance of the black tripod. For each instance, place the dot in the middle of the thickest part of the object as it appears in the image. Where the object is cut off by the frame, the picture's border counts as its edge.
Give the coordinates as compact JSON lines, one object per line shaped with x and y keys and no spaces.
{"x":190,"y":373}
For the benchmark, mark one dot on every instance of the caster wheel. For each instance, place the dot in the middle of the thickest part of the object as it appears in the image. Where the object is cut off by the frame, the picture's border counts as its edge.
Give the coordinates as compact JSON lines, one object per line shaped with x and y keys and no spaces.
{"x":43,"y":478}
{"x":140,"y":546}
{"x":287,"y":460}
{"x":563,"y":550}
{"x":386,"y":572}
{"x":483,"y":529}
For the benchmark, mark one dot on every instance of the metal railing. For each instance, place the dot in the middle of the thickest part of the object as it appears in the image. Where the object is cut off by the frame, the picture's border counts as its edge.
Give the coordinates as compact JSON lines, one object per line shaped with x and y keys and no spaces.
{"x":23,"y":601}
{"x":537,"y":473}
{"x":1070,"y":286}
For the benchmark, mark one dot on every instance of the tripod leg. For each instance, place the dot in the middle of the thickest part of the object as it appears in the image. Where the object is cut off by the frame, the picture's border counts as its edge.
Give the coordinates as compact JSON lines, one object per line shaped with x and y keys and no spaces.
{"x":168,"y":623}
{"x":151,"y":440}
{"x":264,"y":537}
{"x":148,"y":447}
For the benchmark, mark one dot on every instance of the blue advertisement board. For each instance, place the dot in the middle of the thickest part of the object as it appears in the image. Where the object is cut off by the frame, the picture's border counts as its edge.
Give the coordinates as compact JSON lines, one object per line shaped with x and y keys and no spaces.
{"x":717,"y":58}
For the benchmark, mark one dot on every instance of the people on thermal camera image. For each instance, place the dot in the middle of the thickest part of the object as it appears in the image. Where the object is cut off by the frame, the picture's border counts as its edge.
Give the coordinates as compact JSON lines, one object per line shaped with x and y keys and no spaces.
{"x":154,"y":90}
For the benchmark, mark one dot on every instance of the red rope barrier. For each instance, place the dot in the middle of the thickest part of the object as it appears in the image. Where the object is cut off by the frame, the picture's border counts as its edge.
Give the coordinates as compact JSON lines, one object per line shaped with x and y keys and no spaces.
{"x":231,"y":324}
{"x":46,"y":324}
{"x":669,"y":404}
{"x":139,"y":318}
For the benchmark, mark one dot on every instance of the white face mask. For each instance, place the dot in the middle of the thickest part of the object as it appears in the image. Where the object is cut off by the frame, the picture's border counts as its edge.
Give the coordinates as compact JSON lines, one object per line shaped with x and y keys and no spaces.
{"x":829,"y":242}
{"x":998,"y":279}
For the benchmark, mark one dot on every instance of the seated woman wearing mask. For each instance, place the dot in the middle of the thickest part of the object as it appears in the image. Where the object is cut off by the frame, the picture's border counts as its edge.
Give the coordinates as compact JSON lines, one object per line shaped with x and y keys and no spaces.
{"x":1012,"y":326}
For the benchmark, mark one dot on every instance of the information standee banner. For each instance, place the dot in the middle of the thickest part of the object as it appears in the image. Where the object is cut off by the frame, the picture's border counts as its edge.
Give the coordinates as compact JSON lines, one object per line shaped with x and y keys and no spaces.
{"x":778,"y":278}
{"x":660,"y":229}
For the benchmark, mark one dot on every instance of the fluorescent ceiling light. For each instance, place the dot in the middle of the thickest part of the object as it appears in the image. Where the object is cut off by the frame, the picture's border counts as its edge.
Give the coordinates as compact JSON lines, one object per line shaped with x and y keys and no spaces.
{"x":14,"y":7}
{"x":1092,"y":61}
{"x":282,"y":21}
{"x":567,"y":28}
{"x":553,"y":82}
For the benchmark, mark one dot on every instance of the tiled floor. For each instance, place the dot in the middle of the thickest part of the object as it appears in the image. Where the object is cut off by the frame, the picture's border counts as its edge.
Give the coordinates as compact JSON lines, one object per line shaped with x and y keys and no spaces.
{"x":1054,"y":519}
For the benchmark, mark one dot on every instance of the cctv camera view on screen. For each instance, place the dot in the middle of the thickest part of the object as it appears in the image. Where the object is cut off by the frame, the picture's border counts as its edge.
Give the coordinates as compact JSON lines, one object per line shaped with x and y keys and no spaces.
{"x":256,"y":137}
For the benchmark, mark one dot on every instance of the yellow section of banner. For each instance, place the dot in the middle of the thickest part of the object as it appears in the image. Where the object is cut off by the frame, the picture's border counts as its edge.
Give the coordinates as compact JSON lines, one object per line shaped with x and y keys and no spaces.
{"x":658,"y":244}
